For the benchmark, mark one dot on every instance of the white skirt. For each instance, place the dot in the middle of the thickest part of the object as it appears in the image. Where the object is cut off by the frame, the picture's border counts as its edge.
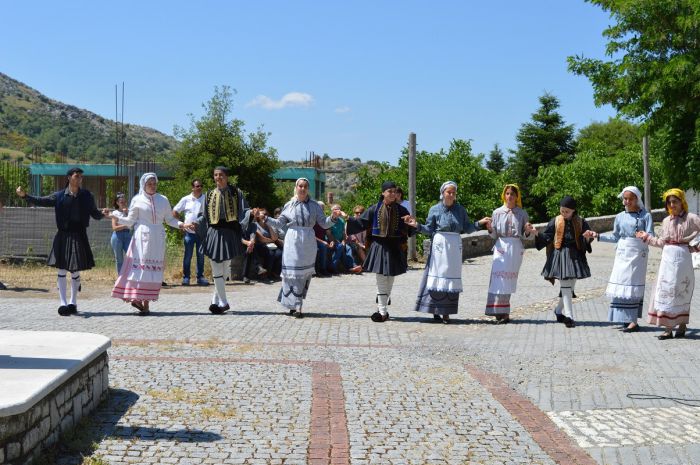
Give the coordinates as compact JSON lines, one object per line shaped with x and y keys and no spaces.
{"x":507,"y":258}
{"x":674,"y":287}
{"x":299,"y":252}
{"x":628,"y":277}
{"x":445,"y":271}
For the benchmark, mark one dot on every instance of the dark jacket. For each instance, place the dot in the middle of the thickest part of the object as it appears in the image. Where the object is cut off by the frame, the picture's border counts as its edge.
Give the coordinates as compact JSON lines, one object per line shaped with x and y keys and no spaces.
{"x":68,"y":215}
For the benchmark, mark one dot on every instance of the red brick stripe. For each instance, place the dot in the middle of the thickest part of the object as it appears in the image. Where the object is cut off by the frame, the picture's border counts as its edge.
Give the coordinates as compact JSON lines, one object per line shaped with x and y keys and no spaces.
{"x":329,"y":438}
{"x":554,"y":442}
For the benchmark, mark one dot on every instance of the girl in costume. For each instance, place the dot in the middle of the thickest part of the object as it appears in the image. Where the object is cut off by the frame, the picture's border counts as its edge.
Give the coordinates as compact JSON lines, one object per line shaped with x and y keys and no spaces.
{"x":676,"y":280}
{"x":508,"y":229}
{"x":442,"y":278}
{"x":567,"y":238}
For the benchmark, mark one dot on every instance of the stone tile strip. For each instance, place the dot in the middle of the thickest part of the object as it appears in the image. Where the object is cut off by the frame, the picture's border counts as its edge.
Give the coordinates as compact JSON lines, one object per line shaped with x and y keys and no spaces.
{"x":560,"y":447}
{"x":138,"y":342}
{"x":329,"y":439}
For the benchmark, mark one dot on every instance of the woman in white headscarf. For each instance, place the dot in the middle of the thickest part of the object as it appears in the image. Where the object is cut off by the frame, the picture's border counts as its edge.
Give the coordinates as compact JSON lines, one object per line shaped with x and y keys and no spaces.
{"x":627,"y":280}
{"x":141,"y":275}
{"x":442,"y":278}
{"x":299,"y":216}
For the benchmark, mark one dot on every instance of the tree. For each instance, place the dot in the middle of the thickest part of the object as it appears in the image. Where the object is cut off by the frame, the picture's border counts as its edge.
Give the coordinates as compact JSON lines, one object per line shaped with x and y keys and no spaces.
{"x":216,"y":139}
{"x":612,"y":136}
{"x":496,"y":162}
{"x":544,"y":141}
{"x":652,"y":75}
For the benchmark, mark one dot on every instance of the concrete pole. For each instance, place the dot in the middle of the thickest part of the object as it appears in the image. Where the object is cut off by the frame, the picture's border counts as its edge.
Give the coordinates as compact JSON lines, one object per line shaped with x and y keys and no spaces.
{"x":647,"y":180}
{"x":412,"y":189}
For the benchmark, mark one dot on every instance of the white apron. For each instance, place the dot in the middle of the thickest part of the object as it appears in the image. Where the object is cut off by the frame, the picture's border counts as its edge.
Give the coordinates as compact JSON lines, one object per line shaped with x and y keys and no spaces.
{"x":507,"y":258}
{"x":141,"y":275}
{"x":629,"y":270}
{"x":445,"y":272}
{"x":674,"y":287}
{"x":299,"y":252}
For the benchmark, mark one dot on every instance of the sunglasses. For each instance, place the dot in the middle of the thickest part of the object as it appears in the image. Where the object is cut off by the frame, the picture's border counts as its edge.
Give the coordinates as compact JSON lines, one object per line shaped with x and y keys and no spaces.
{"x":197,"y":186}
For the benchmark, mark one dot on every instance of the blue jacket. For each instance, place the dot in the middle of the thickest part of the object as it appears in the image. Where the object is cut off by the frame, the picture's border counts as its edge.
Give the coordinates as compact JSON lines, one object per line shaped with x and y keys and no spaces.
{"x":64,"y":206}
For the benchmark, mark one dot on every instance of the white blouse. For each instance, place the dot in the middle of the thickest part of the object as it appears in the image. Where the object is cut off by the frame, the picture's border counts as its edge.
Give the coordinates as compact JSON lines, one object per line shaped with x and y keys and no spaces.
{"x":150,"y":210}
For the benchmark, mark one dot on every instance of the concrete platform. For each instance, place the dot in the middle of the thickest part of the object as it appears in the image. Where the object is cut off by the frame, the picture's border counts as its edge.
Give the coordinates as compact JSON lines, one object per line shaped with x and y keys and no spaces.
{"x":48,"y":381}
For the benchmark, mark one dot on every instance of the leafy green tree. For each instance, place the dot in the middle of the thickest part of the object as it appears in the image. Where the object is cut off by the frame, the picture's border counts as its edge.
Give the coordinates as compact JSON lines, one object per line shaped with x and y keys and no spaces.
{"x":595,"y":178}
{"x":612,"y":136}
{"x":652,"y":74}
{"x":544,"y":141}
{"x":496,"y":162}
{"x":217,"y":139}
{"x":479,"y":190}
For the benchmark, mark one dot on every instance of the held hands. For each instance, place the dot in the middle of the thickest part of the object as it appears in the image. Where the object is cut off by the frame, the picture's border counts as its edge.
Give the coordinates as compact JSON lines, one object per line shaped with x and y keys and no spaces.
{"x":590,"y":235}
{"x":106,"y":212}
{"x":20,"y":191}
{"x":410,"y":221}
{"x":486,"y":221}
{"x":530,"y":229}
{"x":643,"y":235}
{"x":188,"y":227}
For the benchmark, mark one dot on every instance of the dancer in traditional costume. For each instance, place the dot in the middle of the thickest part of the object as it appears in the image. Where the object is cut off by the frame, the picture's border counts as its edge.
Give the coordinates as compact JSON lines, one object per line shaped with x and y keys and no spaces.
{"x":221,"y":221}
{"x":676,"y":280}
{"x":507,"y":227}
{"x":387,"y":232}
{"x":141,"y":274}
{"x":567,"y":238}
{"x":627,"y":280}
{"x":442,"y":279}
{"x":299,"y":216}
{"x":71,"y":250}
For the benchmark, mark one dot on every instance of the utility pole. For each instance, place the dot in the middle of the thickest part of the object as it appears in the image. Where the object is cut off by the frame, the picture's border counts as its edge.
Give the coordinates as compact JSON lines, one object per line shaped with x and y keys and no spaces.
{"x":647,"y":180}
{"x":412,"y":189}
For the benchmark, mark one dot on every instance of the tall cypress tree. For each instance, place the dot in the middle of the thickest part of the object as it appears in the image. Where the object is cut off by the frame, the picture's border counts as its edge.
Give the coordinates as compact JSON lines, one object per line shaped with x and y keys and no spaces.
{"x":496,"y":162}
{"x":544,"y":141}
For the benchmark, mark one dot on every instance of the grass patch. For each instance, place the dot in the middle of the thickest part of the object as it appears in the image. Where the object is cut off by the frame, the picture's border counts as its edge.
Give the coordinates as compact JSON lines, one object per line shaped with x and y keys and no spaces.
{"x":217,"y":414}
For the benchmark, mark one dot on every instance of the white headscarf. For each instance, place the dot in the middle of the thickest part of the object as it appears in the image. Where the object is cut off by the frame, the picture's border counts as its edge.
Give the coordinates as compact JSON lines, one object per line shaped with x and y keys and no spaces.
{"x":296,"y":183}
{"x":144,"y":180}
{"x":445,"y":185}
{"x":635,"y":191}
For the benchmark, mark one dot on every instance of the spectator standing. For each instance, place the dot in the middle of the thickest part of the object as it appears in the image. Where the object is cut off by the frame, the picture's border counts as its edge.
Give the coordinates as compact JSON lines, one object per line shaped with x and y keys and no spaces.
{"x":191,"y":205}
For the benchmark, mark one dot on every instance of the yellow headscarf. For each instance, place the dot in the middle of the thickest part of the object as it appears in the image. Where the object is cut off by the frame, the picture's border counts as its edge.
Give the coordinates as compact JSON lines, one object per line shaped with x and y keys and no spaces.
{"x":518,"y":200}
{"x":676,"y":193}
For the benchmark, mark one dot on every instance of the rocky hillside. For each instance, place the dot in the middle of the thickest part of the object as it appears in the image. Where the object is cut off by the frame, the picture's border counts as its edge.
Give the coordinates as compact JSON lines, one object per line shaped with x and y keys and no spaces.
{"x":32,"y":123}
{"x":341,"y":173}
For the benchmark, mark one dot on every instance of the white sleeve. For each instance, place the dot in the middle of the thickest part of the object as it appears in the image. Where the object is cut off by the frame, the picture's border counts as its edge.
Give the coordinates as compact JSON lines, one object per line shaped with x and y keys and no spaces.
{"x":180,"y":206}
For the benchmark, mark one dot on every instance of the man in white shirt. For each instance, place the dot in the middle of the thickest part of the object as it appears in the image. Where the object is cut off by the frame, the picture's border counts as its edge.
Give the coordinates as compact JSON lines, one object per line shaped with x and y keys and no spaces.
{"x":190,"y":205}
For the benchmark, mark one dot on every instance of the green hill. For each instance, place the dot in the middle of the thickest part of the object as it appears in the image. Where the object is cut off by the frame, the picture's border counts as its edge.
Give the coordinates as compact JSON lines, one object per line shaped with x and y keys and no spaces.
{"x":32,"y":123}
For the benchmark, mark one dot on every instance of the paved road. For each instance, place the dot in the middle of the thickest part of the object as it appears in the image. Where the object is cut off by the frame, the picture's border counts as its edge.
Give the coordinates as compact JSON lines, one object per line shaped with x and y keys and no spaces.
{"x":256,"y":386}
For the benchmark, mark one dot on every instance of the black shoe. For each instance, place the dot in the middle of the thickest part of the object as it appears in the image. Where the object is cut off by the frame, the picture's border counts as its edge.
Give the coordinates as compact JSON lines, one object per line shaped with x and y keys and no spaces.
{"x":665,"y":335}
{"x":3,"y":287}
{"x":437,"y":318}
{"x":63,"y":310}
{"x":680,"y":334}
{"x":298,"y":314}
{"x":292,"y":311}
{"x":216,"y":310}
{"x":446,"y":320}
{"x":633,"y":329}
{"x":569,"y":323}
{"x":72,"y":309}
{"x":379,"y":318}
{"x":503,"y":321}
{"x":560,"y":317}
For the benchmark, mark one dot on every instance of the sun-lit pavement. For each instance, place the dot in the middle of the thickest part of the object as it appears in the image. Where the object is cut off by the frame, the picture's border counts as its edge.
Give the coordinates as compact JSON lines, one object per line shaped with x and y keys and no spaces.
{"x":257,"y":386}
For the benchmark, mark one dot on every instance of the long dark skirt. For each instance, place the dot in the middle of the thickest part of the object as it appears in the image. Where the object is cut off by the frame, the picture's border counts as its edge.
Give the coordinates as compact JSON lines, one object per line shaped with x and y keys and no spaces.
{"x":221,"y":244}
{"x":71,"y":251}
{"x":385,"y":257}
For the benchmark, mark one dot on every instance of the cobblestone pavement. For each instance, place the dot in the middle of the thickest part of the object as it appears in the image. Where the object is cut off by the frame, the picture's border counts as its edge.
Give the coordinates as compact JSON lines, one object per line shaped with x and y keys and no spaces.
{"x":256,"y":386}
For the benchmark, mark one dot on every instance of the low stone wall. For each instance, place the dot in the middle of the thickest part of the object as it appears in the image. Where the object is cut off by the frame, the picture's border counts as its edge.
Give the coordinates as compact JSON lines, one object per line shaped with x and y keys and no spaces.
{"x":480,"y":243}
{"x":25,"y":435}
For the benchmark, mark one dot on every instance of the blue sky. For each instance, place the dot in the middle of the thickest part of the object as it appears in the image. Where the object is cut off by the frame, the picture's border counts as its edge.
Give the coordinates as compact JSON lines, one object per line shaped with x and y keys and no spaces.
{"x":350,"y":79}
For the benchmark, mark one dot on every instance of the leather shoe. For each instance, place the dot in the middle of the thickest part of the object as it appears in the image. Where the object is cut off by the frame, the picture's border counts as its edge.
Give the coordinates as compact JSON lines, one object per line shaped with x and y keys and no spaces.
{"x":569,"y":323}
{"x":216,"y":310}
{"x":633,"y":329}
{"x":665,"y":335}
{"x":560,"y":317}
{"x":378,"y":317}
{"x":63,"y":310}
{"x":72,"y":309}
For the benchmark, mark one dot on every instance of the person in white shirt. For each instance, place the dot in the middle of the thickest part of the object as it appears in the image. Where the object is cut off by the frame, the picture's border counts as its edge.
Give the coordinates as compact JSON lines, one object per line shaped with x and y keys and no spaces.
{"x":190,"y":205}
{"x":403,"y":202}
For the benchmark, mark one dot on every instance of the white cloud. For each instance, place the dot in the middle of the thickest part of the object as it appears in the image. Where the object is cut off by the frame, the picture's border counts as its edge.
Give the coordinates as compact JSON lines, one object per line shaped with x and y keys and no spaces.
{"x":344,"y":109}
{"x":292,"y":99}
